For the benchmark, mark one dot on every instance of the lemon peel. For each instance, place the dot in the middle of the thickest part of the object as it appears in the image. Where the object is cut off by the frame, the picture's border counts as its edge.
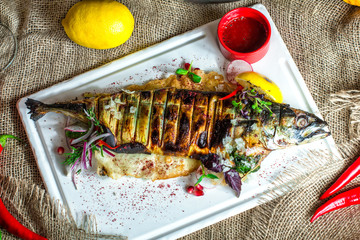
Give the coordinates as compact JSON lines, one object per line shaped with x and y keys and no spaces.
{"x":353,"y":2}
{"x":99,"y":24}
{"x":260,"y":83}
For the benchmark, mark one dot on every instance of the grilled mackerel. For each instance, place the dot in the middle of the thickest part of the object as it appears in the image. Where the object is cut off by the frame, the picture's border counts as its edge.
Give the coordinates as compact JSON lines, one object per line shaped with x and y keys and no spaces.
{"x":191,"y":127}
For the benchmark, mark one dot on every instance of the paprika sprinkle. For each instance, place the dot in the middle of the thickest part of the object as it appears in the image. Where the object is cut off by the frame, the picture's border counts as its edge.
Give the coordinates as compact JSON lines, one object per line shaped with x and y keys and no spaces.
{"x":342,"y":200}
{"x":8,"y":221}
{"x":345,"y":178}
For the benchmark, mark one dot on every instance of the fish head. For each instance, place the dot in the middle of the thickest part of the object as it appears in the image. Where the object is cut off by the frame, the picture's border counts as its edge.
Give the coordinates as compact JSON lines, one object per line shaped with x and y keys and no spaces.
{"x":296,"y":127}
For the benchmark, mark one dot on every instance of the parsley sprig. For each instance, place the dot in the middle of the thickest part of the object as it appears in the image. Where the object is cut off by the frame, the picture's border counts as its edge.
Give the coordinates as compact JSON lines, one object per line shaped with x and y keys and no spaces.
{"x":195,"y":78}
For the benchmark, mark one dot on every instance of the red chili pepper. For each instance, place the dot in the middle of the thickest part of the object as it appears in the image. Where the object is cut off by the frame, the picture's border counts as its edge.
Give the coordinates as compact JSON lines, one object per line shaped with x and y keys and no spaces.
{"x":345,"y":178}
{"x":11,"y":225}
{"x":101,"y":143}
{"x":239,"y":88}
{"x":8,"y":221}
{"x":342,"y":200}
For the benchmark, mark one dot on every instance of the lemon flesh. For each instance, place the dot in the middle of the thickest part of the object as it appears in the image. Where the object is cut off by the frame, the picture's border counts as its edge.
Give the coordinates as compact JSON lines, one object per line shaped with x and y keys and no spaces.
{"x":99,"y":24}
{"x":260,"y":83}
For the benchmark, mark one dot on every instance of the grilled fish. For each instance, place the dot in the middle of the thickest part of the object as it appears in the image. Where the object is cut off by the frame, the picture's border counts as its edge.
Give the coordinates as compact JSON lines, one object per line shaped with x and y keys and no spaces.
{"x":187,"y":127}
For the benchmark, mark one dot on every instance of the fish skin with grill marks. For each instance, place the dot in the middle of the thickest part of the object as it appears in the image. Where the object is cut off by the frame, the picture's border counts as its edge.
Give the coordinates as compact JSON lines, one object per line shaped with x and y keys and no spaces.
{"x":190,"y":124}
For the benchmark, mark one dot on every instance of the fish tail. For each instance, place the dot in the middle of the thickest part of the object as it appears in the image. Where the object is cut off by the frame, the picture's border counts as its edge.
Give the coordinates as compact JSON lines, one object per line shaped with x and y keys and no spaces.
{"x":74,"y":109}
{"x":36,"y":108}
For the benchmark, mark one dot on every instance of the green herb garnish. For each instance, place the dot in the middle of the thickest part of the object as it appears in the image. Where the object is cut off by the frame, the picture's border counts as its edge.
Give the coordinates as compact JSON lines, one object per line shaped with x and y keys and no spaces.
{"x":251,"y":102}
{"x":73,"y":156}
{"x":259,"y":105}
{"x":195,"y":78}
{"x":92,"y":116}
{"x":74,"y":135}
{"x":203,"y":175}
{"x":243,"y":164}
{"x":181,"y":71}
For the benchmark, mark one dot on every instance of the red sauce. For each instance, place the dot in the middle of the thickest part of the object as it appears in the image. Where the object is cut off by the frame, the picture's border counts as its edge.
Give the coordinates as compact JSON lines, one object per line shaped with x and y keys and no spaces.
{"x":244,"y":35}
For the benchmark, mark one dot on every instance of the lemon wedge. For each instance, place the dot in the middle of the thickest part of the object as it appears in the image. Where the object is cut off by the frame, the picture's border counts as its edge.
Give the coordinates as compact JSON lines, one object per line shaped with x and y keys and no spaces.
{"x":261,"y":84}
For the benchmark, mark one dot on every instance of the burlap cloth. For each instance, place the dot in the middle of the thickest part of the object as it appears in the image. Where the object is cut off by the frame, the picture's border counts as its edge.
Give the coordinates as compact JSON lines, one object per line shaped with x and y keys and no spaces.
{"x":323,"y":38}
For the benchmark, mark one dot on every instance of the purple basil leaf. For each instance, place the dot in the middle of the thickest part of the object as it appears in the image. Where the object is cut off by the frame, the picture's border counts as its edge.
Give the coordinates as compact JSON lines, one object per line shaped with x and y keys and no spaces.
{"x":233,"y":179}
{"x":211,"y":161}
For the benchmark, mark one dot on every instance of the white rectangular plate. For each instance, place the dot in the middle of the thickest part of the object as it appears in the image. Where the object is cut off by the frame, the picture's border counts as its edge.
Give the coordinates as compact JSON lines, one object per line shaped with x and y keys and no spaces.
{"x":143,"y":209}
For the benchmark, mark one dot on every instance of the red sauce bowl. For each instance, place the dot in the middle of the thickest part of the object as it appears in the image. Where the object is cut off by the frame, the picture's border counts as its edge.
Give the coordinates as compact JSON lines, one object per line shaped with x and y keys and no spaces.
{"x":244,"y":33}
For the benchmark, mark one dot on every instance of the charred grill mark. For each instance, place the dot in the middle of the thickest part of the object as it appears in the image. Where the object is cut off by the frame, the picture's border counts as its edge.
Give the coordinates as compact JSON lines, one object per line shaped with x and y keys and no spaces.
{"x":145,"y":95}
{"x":189,"y":97}
{"x":123,"y":124}
{"x":212,"y":108}
{"x":192,"y":133}
{"x":155,"y":137}
{"x":221,"y":130}
{"x":183,"y":139}
{"x":248,"y":131}
{"x":143,"y":117}
{"x":218,"y":132}
{"x":200,"y":120}
{"x":198,"y":123}
{"x":172,"y":148}
{"x":151,"y":109}
{"x":229,"y":112}
{"x":178,"y":97}
{"x":121,"y":116}
{"x":185,"y":120}
{"x":113,"y":121}
{"x":130,"y":114}
{"x":170,"y":131}
{"x":136,"y":117}
{"x":157,"y":107}
{"x":155,"y":123}
{"x":163,"y":123}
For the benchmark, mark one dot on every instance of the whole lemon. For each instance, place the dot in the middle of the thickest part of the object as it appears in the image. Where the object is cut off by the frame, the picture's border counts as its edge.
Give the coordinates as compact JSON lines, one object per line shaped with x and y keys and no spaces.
{"x":99,"y":24}
{"x":260,"y":83}
{"x":353,"y":2}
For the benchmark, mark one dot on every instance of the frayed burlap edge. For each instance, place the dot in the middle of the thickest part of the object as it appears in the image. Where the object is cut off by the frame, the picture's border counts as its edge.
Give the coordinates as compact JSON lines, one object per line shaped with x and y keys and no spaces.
{"x":301,"y":179}
{"x":347,"y":100}
{"x":28,"y":202}
{"x":290,"y":180}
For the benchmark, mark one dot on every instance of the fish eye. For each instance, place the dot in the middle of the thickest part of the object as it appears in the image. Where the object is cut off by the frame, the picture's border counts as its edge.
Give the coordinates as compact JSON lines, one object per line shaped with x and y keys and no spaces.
{"x":301,"y":121}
